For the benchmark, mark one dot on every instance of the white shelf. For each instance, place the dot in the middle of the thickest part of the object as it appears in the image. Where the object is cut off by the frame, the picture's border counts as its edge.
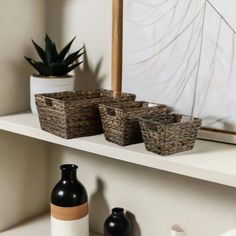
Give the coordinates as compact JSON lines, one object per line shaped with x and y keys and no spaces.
{"x":211,"y":161}
{"x":37,"y":227}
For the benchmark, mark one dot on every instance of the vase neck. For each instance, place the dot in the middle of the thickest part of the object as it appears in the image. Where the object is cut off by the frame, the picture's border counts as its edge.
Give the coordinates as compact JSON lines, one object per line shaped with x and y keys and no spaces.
{"x":117,"y":211}
{"x":69,"y":172}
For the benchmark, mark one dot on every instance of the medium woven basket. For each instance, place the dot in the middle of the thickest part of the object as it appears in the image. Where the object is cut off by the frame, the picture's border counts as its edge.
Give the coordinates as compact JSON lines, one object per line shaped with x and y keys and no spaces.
{"x":120,"y":120}
{"x":74,"y":114}
{"x":169,"y":134}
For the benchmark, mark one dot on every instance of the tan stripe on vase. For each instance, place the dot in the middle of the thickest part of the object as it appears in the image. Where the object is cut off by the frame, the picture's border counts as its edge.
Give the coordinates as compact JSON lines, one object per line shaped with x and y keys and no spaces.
{"x":69,"y":213}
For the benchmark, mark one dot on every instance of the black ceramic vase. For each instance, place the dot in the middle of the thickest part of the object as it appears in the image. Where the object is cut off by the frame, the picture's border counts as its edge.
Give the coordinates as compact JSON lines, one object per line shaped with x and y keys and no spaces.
{"x":117,"y":224}
{"x":69,"y":205}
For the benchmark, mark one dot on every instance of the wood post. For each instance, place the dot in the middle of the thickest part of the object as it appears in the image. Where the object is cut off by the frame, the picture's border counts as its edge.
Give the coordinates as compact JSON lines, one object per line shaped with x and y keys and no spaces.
{"x":117,"y":47}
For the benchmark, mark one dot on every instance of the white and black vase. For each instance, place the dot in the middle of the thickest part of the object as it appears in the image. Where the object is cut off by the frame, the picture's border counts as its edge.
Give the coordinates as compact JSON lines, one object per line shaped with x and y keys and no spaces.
{"x":69,"y":205}
{"x":117,"y":224}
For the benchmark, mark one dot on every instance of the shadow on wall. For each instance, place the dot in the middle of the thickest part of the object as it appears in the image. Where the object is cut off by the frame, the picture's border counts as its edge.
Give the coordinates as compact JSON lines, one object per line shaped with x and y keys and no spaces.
{"x":88,"y":78}
{"x":135,"y":227}
{"x":99,"y":209}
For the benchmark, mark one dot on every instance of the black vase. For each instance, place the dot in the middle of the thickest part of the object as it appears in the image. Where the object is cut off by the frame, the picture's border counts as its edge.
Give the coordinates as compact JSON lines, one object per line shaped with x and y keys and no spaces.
{"x":69,"y":205}
{"x":117,"y":224}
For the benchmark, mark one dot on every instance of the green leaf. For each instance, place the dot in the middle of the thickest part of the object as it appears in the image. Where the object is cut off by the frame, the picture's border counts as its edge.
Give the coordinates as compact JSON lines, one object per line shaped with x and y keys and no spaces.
{"x":57,"y":69}
{"x":73,"y":57}
{"x":70,"y":68}
{"x":40,"y":52}
{"x":65,"y":50}
{"x":53,"y":63}
{"x":55,"y":53}
{"x":51,"y":51}
{"x":43,"y":69}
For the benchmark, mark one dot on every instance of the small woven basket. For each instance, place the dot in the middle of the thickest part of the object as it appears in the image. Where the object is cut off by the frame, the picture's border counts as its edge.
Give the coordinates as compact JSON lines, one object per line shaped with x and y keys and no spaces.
{"x":169,"y":134}
{"x":74,"y":114}
{"x":120,"y":120}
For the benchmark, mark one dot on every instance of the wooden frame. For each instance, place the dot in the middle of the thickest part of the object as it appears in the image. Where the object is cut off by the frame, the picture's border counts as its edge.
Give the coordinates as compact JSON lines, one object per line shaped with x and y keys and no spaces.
{"x":217,"y":135}
{"x":117,"y":46}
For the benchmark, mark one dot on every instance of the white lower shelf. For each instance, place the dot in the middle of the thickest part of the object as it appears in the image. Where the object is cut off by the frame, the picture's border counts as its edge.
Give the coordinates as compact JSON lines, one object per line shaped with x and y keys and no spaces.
{"x":211,"y":161}
{"x":37,"y":227}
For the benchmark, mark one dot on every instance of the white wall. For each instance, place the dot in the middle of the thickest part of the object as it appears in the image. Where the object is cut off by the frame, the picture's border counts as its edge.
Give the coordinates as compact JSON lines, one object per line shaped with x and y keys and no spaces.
{"x":19,"y":22}
{"x":23,"y":161}
{"x":90,"y":21}
{"x":23,"y":179}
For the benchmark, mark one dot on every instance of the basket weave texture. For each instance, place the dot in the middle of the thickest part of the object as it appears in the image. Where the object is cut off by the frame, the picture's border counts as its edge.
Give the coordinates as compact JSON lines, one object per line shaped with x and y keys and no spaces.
{"x":169,"y":134}
{"x":74,"y":114}
{"x":120,"y":120}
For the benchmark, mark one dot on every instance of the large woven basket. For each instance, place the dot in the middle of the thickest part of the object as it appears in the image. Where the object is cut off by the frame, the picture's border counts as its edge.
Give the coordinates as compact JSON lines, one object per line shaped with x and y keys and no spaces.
{"x":169,"y":134}
{"x":74,"y":114}
{"x":120,"y":120}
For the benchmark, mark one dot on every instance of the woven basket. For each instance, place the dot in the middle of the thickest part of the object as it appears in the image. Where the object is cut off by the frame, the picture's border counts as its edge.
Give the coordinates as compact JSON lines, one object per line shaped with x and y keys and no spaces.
{"x":120,"y":120}
{"x":74,"y":114}
{"x":169,"y":134}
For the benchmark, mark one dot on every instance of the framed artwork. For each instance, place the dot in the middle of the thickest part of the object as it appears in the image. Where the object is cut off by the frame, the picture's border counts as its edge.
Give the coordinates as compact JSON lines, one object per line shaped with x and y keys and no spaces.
{"x":183,"y":53}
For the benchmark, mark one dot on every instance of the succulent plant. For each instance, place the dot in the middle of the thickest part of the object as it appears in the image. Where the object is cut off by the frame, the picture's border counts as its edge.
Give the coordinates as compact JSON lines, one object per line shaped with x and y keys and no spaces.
{"x":54,"y":63}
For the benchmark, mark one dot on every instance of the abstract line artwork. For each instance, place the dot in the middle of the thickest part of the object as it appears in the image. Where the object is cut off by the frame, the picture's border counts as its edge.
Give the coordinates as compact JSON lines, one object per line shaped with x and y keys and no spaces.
{"x":182,"y":53}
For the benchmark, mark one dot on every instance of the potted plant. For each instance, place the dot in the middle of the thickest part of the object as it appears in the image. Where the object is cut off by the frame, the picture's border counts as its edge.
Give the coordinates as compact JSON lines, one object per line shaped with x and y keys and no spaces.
{"x":53,"y":69}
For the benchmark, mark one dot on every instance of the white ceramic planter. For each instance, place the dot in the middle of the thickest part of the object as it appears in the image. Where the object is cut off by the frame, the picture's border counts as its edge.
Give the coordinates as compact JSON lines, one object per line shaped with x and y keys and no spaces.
{"x":40,"y":85}
{"x":178,"y":230}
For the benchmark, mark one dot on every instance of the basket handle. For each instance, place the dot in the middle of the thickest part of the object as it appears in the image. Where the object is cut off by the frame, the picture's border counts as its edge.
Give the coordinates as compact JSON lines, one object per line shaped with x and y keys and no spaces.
{"x":149,"y":125}
{"x":48,"y":102}
{"x":110,"y":111}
